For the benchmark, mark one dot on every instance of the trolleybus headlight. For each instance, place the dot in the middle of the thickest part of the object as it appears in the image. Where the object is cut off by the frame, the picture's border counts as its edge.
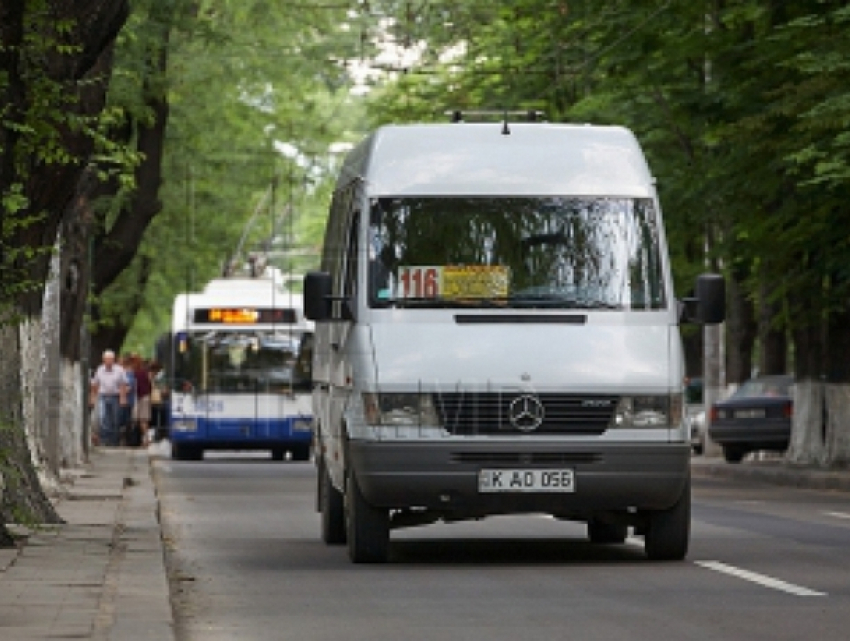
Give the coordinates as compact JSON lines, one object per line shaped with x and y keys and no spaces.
{"x":400,"y":409}
{"x":648,"y":411}
{"x":184,"y":425}
{"x":302,"y":425}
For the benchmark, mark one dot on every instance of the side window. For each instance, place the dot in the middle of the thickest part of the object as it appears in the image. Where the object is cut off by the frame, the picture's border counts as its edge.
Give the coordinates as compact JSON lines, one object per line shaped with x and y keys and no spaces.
{"x":352,"y":258}
{"x":334,"y":244}
{"x":340,"y":257}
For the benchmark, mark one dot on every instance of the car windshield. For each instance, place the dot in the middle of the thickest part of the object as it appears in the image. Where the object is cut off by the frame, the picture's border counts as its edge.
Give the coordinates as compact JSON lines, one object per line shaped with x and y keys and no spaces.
{"x":765,"y":387}
{"x":547,"y":252}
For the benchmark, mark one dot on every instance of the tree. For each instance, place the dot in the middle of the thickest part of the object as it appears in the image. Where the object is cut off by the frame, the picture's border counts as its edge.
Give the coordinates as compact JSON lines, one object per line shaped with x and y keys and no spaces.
{"x":50,"y":53}
{"x":243,"y":83}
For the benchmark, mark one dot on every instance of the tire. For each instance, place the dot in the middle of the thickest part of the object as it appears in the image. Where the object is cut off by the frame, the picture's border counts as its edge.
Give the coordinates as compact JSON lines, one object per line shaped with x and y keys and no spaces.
{"x":602,"y":533}
{"x":367,"y":527}
{"x":699,"y":447}
{"x":301,"y":452}
{"x":186,"y":453}
{"x":332,"y":507}
{"x":733,"y":454}
{"x":668,"y":532}
{"x":278,"y":454}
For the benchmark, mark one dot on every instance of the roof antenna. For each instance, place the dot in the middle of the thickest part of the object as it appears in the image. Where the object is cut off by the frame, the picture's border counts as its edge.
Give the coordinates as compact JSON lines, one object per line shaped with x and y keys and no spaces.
{"x":506,"y":131}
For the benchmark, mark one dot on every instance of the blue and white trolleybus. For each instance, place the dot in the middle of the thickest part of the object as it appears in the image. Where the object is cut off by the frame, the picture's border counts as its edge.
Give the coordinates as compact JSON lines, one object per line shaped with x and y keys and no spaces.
{"x":241,"y":369}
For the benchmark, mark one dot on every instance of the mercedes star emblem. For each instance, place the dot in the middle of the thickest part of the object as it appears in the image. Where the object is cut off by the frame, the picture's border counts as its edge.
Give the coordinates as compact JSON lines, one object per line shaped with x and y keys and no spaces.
{"x":526,"y":413}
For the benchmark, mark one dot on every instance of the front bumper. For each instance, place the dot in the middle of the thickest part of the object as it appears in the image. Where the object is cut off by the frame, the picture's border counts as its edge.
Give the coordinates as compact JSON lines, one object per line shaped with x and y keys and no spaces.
{"x":444,"y":476}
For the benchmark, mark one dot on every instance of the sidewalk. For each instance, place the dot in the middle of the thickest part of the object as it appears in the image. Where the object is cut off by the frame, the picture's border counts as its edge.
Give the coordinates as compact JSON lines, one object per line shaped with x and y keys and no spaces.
{"x":102,"y":574}
{"x":775,"y":471}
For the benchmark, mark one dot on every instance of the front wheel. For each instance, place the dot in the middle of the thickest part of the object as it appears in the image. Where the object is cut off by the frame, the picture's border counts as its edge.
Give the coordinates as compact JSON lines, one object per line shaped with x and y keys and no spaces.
{"x":668,"y":532}
{"x":367,"y":526}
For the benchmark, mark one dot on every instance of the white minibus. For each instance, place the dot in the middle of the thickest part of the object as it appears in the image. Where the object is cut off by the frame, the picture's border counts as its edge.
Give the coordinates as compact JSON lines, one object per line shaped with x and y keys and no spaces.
{"x":496,"y":333}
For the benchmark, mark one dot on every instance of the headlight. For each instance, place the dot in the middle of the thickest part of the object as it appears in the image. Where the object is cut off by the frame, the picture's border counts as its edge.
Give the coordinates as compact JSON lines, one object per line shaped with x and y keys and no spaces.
{"x":400,"y":410}
{"x":302,"y":425}
{"x":648,"y":411}
{"x":184,"y":425}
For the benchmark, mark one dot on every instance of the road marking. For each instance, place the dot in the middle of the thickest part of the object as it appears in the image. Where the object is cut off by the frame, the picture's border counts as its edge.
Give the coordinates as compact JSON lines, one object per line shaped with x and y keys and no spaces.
{"x":838,"y":515}
{"x":761,"y":579}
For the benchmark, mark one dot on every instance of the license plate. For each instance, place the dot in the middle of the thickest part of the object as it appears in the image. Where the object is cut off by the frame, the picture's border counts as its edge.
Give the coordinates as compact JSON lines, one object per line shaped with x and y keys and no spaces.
{"x":759,"y":413}
{"x":526,"y":481}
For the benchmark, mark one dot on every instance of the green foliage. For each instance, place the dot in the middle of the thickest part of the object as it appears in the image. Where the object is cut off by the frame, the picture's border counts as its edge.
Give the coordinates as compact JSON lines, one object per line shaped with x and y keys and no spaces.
{"x":242,"y":77}
{"x":742,"y":109}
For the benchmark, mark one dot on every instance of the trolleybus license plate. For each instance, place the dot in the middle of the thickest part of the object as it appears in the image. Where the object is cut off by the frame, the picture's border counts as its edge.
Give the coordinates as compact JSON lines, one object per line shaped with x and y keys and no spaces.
{"x":526,"y":481}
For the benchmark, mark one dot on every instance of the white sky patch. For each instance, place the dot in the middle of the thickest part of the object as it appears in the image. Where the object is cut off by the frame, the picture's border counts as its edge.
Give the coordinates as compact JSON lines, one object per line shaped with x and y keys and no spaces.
{"x":292,"y":152}
{"x":340,"y":147}
{"x":392,"y":58}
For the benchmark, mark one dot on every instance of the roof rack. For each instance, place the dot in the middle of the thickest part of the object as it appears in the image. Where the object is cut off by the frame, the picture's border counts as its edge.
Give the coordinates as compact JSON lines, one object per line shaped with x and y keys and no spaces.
{"x":486,"y":115}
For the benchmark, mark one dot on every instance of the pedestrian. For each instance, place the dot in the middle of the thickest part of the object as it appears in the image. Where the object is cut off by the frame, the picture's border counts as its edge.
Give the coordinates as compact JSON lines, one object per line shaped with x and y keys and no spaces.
{"x":129,"y":436}
{"x":159,"y":400}
{"x":109,"y":395}
{"x":142,"y":407}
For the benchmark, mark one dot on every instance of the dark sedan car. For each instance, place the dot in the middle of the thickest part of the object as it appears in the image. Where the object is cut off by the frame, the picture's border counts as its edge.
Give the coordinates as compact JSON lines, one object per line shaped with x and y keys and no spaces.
{"x":756,"y":417}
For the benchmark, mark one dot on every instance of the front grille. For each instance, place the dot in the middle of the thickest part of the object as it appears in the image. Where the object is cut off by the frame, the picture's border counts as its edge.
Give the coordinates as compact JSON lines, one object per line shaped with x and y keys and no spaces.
{"x":490,"y":413}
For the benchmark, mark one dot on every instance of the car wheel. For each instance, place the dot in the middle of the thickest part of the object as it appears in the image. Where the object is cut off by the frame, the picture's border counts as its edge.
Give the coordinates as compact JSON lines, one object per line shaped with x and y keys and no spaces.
{"x":668,"y":532}
{"x":301,"y":452}
{"x":186,"y":453}
{"x":733,"y":454}
{"x":332,"y":504}
{"x":699,"y":446}
{"x":606,"y":532}
{"x":278,"y":454}
{"x":367,"y":526}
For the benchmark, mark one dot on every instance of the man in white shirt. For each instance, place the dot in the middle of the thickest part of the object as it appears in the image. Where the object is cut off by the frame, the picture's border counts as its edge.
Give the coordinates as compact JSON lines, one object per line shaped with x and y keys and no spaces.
{"x":109,"y":390}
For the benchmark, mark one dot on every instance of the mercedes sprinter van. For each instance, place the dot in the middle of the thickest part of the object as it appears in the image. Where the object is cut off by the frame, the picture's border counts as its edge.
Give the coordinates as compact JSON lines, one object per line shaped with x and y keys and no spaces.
{"x":496,"y":333}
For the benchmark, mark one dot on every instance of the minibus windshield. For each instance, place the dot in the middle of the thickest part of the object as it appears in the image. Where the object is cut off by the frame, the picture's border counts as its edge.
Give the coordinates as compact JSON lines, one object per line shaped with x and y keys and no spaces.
{"x":516,"y":252}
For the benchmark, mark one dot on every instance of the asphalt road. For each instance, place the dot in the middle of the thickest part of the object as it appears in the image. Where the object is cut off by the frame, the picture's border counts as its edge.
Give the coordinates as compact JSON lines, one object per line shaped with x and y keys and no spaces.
{"x":247,"y":563}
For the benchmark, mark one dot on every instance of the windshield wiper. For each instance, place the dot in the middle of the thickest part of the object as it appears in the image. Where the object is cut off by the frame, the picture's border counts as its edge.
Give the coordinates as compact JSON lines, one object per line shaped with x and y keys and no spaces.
{"x":437,"y":302}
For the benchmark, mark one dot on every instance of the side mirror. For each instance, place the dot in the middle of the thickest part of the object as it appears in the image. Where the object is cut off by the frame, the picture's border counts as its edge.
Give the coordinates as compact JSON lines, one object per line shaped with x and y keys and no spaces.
{"x":708,"y":307}
{"x":317,"y":296}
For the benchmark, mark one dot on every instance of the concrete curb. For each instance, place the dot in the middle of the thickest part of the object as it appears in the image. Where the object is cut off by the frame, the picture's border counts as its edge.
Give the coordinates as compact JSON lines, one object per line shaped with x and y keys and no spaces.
{"x":776,"y":472}
{"x":136,"y":586}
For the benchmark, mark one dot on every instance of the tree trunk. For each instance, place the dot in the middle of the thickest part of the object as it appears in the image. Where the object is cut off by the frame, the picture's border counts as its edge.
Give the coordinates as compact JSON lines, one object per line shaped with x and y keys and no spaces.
{"x":46,"y":187}
{"x":23,"y":499}
{"x":741,"y":331}
{"x":773,"y":358}
{"x":116,"y":247}
{"x":712,"y":381}
{"x":807,"y":430}
{"x":837,"y":439}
